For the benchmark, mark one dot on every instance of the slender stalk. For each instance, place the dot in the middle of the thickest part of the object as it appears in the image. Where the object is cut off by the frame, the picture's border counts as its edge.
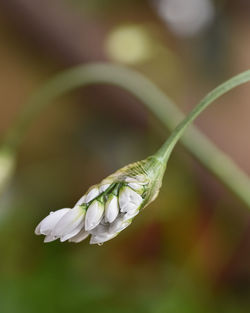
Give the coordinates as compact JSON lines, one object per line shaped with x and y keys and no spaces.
{"x":166,"y":149}
{"x":155,"y":100}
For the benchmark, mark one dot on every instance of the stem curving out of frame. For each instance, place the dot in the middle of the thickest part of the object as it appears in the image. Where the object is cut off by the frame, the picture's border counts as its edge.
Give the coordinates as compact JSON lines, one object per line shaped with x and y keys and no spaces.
{"x":156,"y":101}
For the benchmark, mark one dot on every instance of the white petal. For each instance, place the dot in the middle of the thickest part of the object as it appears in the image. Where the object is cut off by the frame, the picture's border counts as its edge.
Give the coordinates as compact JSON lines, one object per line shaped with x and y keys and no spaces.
{"x":37,"y":229}
{"x":99,"y":230}
{"x":104,"y":187}
{"x":69,"y":222}
{"x":130,"y":215}
{"x":119,"y":224}
{"x":49,"y":238}
{"x":129,"y":200}
{"x":49,"y":222}
{"x":80,"y":236}
{"x":100,"y":239}
{"x":111,"y":209}
{"x":93,"y":193}
{"x":94,"y":215}
{"x":81,"y":201}
{"x":73,"y":233}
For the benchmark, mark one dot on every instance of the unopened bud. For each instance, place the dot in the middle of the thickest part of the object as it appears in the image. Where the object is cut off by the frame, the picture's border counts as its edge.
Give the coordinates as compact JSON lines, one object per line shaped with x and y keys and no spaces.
{"x":107,"y":208}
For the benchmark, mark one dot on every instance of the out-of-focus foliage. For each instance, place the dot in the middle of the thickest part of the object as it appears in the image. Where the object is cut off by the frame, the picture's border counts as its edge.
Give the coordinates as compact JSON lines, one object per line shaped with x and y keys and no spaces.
{"x":189,"y":250}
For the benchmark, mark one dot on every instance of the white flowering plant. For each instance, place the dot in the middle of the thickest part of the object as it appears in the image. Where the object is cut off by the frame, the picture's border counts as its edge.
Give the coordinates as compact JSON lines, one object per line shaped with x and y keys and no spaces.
{"x":107,"y":208}
{"x":110,"y":206}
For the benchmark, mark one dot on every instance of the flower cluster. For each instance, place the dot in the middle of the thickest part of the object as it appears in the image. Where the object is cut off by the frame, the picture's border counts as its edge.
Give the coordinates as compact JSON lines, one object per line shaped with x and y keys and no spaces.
{"x":107,"y":208}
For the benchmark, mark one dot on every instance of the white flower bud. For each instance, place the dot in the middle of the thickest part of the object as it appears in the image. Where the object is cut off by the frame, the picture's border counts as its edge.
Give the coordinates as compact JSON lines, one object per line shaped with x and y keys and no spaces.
{"x":70,"y":224}
{"x":94,"y":215}
{"x":119,"y":224}
{"x":92,"y":194}
{"x":103,"y":188}
{"x":131,"y":214}
{"x":107,"y":208}
{"x":46,"y":226}
{"x":99,"y":239}
{"x":72,"y":234}
{"x":80,"y":236}
{"x":129,"y":200}
{"x":100,"y":234}
{"x":99,"y":230}
{"x":111,"y":208}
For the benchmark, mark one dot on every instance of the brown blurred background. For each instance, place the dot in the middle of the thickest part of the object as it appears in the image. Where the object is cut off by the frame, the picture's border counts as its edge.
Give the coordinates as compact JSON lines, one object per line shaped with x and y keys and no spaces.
{"x":190,"y":250}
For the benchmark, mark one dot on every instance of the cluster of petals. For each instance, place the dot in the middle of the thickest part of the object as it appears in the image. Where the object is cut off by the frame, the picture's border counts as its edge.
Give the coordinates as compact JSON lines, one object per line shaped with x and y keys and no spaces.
{"x":101,"y":213}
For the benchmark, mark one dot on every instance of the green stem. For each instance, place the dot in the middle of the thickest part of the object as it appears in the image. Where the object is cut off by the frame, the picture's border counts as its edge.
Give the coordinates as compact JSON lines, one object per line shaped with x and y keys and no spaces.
{"x":153,"y":98}
{"x":165,"y":151}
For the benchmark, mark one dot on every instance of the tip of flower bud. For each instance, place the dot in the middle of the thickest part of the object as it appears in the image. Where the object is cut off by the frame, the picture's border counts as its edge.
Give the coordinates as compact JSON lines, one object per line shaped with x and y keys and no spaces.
{"x":104,"y":187}
{"x":94,"y":215}
{"x":111,"y":209}
{"x":92,"y":194}
{"x":129,"y":200}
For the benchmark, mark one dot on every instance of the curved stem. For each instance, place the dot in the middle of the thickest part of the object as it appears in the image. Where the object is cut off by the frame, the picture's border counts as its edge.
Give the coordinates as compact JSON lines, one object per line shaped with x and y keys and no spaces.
{"x":154,"y":99}
{"x":166,"y":149}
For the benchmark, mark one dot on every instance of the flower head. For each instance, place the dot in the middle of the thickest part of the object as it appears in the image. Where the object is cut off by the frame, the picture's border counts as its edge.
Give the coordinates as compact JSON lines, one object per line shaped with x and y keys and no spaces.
{"x":107,"y":208}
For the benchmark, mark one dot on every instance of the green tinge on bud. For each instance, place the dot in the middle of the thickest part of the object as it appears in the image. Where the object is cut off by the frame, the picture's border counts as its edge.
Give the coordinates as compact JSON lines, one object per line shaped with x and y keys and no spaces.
{"x":144,"y":177}
{"x":110,"y":206}
{"x":136,"y":187}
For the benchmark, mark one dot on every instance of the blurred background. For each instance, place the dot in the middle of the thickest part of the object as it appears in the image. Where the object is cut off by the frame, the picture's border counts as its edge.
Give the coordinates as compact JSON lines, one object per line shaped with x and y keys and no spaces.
{"x":190,"y":250}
